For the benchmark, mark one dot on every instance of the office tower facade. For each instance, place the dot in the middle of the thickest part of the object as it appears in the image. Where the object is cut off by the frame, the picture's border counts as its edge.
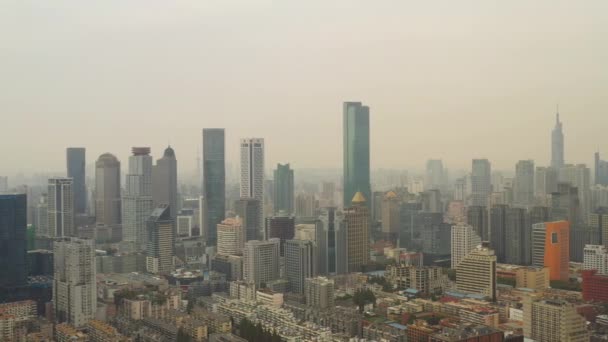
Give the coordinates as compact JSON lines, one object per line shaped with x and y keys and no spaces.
{"x":476,"y":273}
{"x":557,"y":144}
{"x":579,"y":177}
{"x":137,"y":198}
{"x":391,"y":216}
{"x":249,"y":210}
{"x":300,"y":263}
{"x":330,"y":238}
{"x":434,"y":177}
{"x":60,"y":212}
{"x":74,"y":283}
{"x":598,"y":221}
{"x":107,"y":190}
{"x":75,"y":158}
{"x":230,"y":237}
{"x":477,"y":217}
{"x":284,"y":189}
{"x":306,"y":205}
{"x":545,"y":181}
{"x":553,"y":320}
{"x":498,"y":231}
{"x":431,"y":201}
{"x":261,"y":261}
{"x":518,"y":237}
{"x":565,"y":204}
{"x":356,"y":222}
{"x":596,"y":258}
{"x":319,"y":293}
{"x":164,"y":182}
{"x":580,"y":236}
{"x":41,"y":219}
{"x":550,"y":248}
{"x":356,"y":156}
{"x":214,"y":179}
{"x":464,"y":240}
{"x":282,"y":227}
{"x":13,"y":224}
{"x":524,"y":183}
{"x":252,"y":171}
{"x":600,"y":170}
{"x":481,"y":182}
{"x":161,"y":241}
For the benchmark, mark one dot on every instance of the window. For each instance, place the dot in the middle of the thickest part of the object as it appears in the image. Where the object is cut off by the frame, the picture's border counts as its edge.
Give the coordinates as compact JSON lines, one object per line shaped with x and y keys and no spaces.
{"x":554,"y":238}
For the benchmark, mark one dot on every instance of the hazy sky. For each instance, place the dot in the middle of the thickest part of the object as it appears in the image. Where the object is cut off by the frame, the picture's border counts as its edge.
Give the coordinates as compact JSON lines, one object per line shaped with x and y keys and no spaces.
{"x":444,"y":79}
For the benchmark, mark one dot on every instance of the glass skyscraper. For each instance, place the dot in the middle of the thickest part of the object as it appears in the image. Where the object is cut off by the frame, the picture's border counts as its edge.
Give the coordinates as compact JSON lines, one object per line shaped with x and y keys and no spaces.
{"x":214,"y":180}
{"x":75,"y":157}
{"x":13,"y":222}
{"x":283,"y":189}
{"x":356,"y":151}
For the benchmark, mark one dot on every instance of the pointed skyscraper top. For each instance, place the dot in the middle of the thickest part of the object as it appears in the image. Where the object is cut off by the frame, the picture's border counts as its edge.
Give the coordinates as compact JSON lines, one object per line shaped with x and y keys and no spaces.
{"x":358,"y":198}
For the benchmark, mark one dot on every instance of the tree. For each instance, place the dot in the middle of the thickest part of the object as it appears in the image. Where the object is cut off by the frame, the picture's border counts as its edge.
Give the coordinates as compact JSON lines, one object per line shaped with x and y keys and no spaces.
{"x":363,"y":297}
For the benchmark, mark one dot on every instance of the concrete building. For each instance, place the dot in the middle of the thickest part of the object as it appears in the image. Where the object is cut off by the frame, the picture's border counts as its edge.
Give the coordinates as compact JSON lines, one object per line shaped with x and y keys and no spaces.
{"x":464,"y":240}
{"x":137,"y":197}
{"x":75,"y":160}
{"x":252,"y":171}
{"x":300,"y":263}
{"x":356,"y":151}
{"x":481,"y":182}
{"x":261,"y":262}
{"x":164,"y":182}
{"x":476,"y":273}
{"x":319,"y":293}
{"x":214,"y":179}
{"x":356,"y":222}
{"x":13,"y":224}
{"x":391,"y":216}
{"x":60,"y":212}
{"x":532,"y":278}
{"x":596,"y":258}
{"x":598,"y":221}
{"x":284,"y":189}
{"x":107,"y":190}
{"x":550,"y":248}
{"x":331,"y":242}
{"x":524,"y":183}
{"x":230,"y":237}
{"x":553,"y":320}
{"x":428,"y":280}
{"x":160,"y":241}
{"x":249,"y":210}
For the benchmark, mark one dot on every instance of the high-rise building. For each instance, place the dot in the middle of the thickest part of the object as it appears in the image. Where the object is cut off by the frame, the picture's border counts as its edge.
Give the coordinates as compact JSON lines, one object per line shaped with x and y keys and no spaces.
{"x":553,"y":320}
{"x":391,"y":216}
{"x":161,"y":241}
{"x":595,"y":286}
{"x":565,"y":204}
{"x":356,"y":151}
{"x":477,"y":217}
{"x":545,"y":181}
{"x":3,"y":184}
{"x":356,"y":222}
{"x":252,"y":171}
{"x":107,"y":190}
{"x":580,"y":236}
{"x":434,"y":178}
{"x":13,"y":223}
{"x":306,"y":205}
{"x":431,"y":201}
{"x":164,"y":181}
{"x":518,"y":236}
{"x":137,"y":198}
{"x":319,"y":293}
{"x":60,"y":213}
{"x":601,"y":170}
{"x":261,"y":261}
{"x":74,"y":283}
{"x":476,"y":273}
{"x":498,"y":231}
{"x":249,"y":210}
{"x":230,"y":237}
{"x":41,"y":219}
{"x":214,"y":179}
{"x":282,"y":227}
{"x":596,"y":258}
{"x":464,"y":240}
{"x":550,"y":248}
{"x":557,"y":144}
{"x":481,"y":182}
{"x":284,"y":189}
{"x":598,"y":220}
{"x":524,"y":183}
{"x":300,"y":263}
{"x":331,"y":242}
{"x":75,"y":158}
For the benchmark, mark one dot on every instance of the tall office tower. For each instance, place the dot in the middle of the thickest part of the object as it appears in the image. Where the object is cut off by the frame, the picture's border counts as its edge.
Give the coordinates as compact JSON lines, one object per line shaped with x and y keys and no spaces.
{"x":434,"y":178}
{"x":13,"y":259}
{"x":3,"y":184}
{"x":565,"y":204}
{"x":261,"y":261}
{"x":601,"y":170}
{"x":431,"y":201}
{"x":249,"y":209}
{"x":137,"y":198}
{"x":252,"y":171}
{"x":164,"y":181}
{"x":299,"y":263}
{"x":74,"y":283}
{"x":319,"y":293}
{"x":518,"y":236}
{"x":498,"y":231}
{"x":377,"y":199}
{"x":356,"y":222}
{"x":161,"y":241}
{"x":75,"y":157}
{"x":524,"y":182}
{"x":545,"y":181}
{"x":476,"y":273}
{"x":60,"y":211}
{"x":464,"y":240}
{"x":330,"y":237}
{"x":107,"y":190}
{"x":481,"y":182}
{"x":356,"y":151}
{"x":550,"y":248}
{"x":391,"y":216}
{"x":553,"y":320}
{"x":578,"y":176}
{"x":283,"y":189}
{"x":328,"y":192}
{"x":557,"y":144}
{"x":282,"y":227}
{"x":306,"y":205}
{"x":230,"y":237}
{"x":596,"y":258}
{"x":598,"y":220}
{"x":539,"y":214}
{"x":214,"y":179}
{"x":477,"y":217}
{"x":41,"y":219}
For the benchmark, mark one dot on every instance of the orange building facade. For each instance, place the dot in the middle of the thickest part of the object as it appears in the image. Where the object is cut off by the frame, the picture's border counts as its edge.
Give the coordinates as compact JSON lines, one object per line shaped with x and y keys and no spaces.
{"x":551,"y":248}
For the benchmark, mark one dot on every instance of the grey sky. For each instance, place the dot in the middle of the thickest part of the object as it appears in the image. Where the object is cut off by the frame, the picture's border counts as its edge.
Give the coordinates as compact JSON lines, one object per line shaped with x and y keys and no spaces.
{"x":444,"y":79}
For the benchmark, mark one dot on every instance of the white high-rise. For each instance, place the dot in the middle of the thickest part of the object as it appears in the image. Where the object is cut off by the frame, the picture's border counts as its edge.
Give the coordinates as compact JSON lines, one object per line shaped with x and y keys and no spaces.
{"x":60,"y":210}
{"x":261,"y":261}
{"x":252,"y":171}
{"x":596,"y":258}
{"x":464,"y":240}
{"x":74,"y":283}
{"x":137,"y":199}
{"x":230,"y":237}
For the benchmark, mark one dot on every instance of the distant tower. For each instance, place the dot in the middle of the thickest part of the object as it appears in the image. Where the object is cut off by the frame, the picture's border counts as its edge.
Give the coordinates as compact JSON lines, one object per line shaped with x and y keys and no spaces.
{"x":76,"y":170}
{"x":557,"y":144}
{"x":164,"y":181}
{"x":299,"y":263}
{"x":249,"y":210}
{"x":252,"y":171}
{"x":60,"y":213}
{"x":524,"y":183}
{"x":137,"y":198}
{"x":331,"y":242}
{"x":161,"y":240}
{"x":13,"y":222}
{"x":283,"y":189}
{"x":230,"y":237}
{"x":356,"y":220}
{"x":214,"y":179}
{"x":282,"y":227}
{"x":434,"y":178}
{"x":107,"y":190}
{"x":481,"y":182}
{"x":356,"y":145}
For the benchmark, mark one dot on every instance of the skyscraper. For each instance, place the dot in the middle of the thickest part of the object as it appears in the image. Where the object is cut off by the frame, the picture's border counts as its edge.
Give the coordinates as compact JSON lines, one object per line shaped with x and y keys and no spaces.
{"x":517,"y":237}
{"x":434,"y":178}
{"x":74,"y":283}
{"x":161,"y":240}
{"x":601,"y":170}
{"x":137,"y":197}
{"x":283,"y":189}
{"x":565,"y":204}
{"x":481,"y":182}
{"x":13,"y":222}
{"x":75,"y":157}
{"x":391,"y":216}
{"x":164,"y":181}
{"x":230,"y":237}
{"x":107,"y":190}
{"x":261,"y":261}
{"x":545,"y":181}
{"x":60,"y":211}
{"x":252,"y":171}
{"x":249,"y":210}
{"x":557,"y":144}
{"x":464,"y":240}
{"x":214,"y":179}
{"x":498,"y":231}
{"x":524,"y":183}
{"x":299,"y":263}
{"x":550,"y":248}
{"x":282,"y":227}
{"x":356,"y":151}
{"x":356,"y":222}
{"x":331,"y":242}
{"x":477,"y":217}
{"x":476,"y":273}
